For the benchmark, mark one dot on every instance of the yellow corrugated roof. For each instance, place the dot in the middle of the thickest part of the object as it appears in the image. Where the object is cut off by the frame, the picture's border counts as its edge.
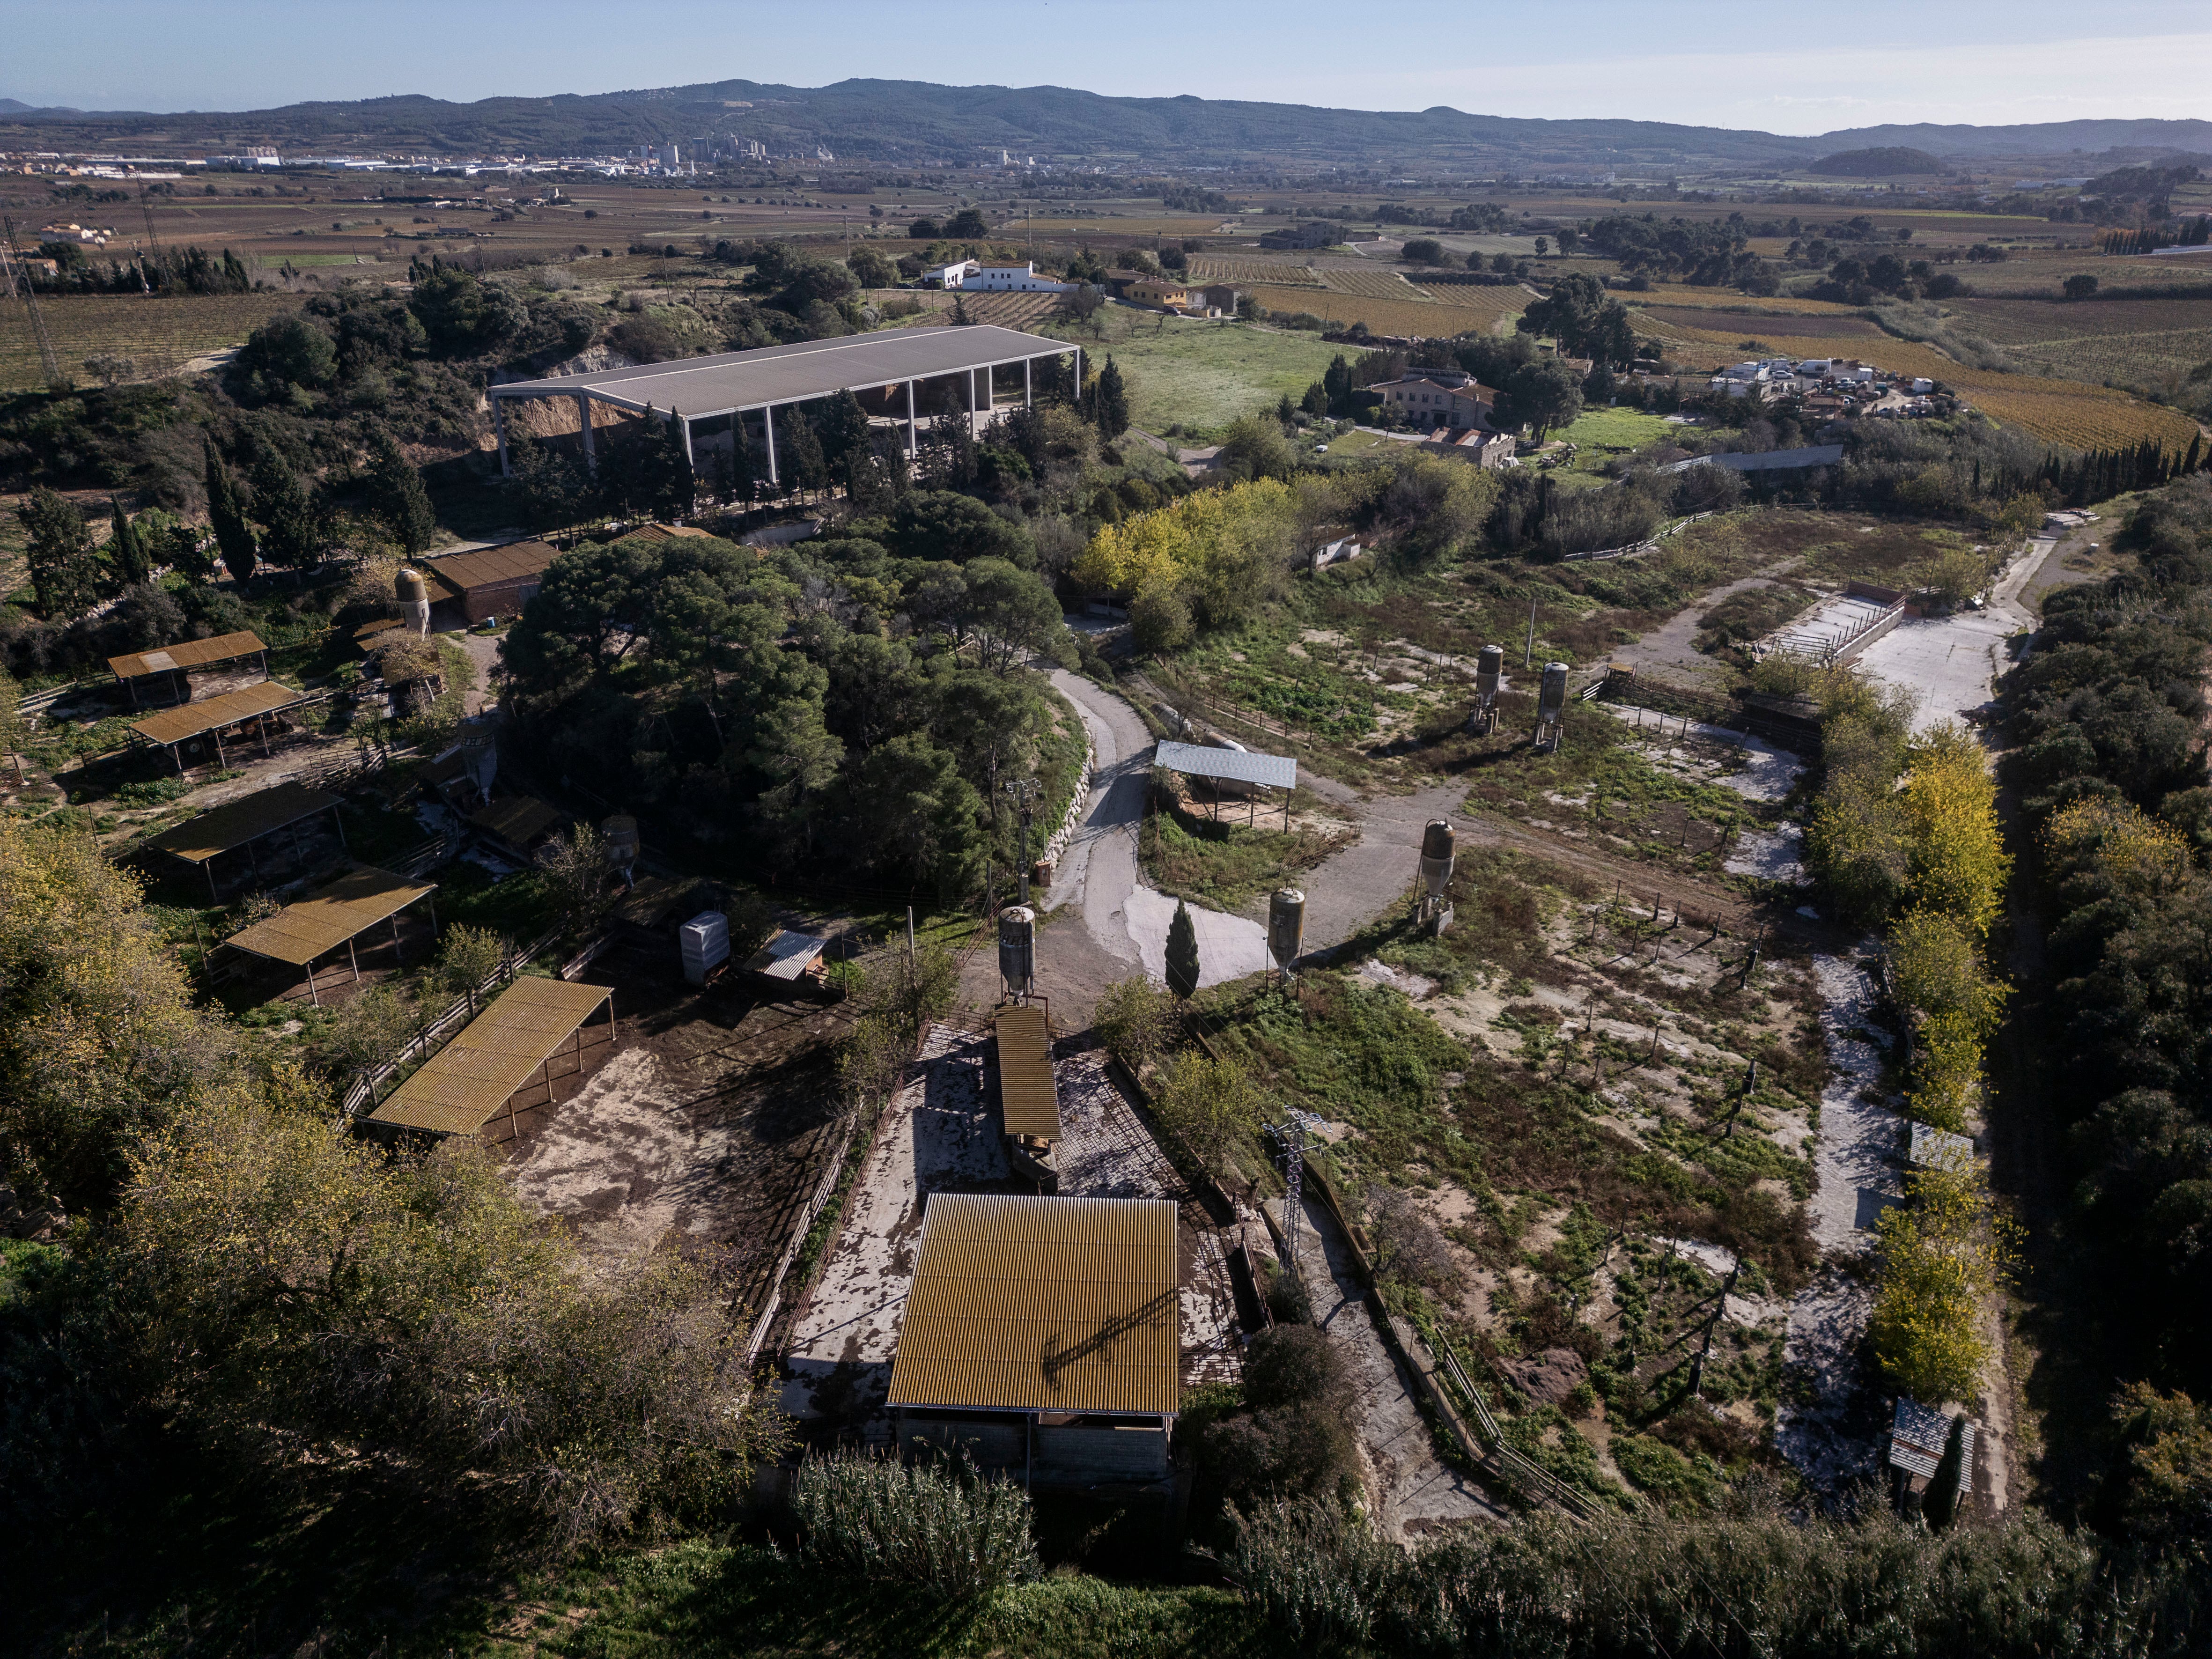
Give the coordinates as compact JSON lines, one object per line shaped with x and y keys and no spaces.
{"x":190,"y":719}
{"x":467,"y":1081}
{"x":186,"y":654}
{"x":518,"y":820}
{"x":1028,"y":1097}
{"x":1061,"y":1304}
{"x":237,"y":822}
{"x":489,"y":566}
{"x":325,"y":919}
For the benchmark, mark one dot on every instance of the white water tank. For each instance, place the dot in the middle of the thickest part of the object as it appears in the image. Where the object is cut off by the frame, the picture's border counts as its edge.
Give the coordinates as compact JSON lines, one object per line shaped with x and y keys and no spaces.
{"x":706,"y":942}
{"x":1287,"y":925}
{"x":1017,"y":948}
{"x":415,"y":599}
{"x":1437,"y":843}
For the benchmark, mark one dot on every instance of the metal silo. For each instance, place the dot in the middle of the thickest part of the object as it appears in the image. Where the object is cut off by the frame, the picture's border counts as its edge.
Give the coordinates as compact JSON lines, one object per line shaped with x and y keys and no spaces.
{"x":480,"y":753}
{"x":621,"y":844}
{"x":415,"y":599}
{"x":1017,"y":951}
{"x":1439,"y":846}
{"x":1287,"y":925}
{"x":1550,"y":706}
{"x":1489,"y":671}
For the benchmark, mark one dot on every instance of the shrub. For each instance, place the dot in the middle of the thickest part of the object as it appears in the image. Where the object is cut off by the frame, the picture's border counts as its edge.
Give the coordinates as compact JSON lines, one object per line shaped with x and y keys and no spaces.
{"x":1136,"y":1020}
{"x":945,"y":1530}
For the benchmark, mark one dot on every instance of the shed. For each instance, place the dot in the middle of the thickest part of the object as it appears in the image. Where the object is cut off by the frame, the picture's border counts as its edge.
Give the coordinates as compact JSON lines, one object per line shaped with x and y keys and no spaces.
{"x":1045,"y":1334}
{"x":466,"y":1083}
{"x":332,"y":917}
{"x":1237,"y":766}
{"x":184,"y":728}
{"x":1918,"y":1437}
{"x":1028,"y":1096}
{"x":787,"y":958}
{"x":517,"y":822}
{"x":237,"y":824}
{"x":492,"y":581}
{"x":177,"y":661}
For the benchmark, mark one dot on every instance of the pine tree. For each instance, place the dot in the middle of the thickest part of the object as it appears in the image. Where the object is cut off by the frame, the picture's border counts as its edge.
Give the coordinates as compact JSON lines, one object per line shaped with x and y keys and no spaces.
{"x":1109,"y":402}
{"x":744,"y":477}
{"x":126,"y":549}
{"x":63,"y":574}
{"x":2196,"y":452}
{"x":842,"y":427}
{"x":396,"y":489}
{"x":234,"y":537}
{"x":292,"y":534}
{"x":1182,"y":953}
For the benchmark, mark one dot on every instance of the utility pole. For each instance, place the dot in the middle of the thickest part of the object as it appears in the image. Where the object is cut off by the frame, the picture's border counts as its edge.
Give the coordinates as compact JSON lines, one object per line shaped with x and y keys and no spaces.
{"x":1529,"y":656}
{"x":1024,"y":792}
{"x":31,"y":299}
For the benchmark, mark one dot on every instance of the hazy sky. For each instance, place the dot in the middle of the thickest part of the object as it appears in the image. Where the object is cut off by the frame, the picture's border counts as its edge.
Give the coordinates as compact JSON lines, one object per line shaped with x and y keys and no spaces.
{"x":1782,"y":65}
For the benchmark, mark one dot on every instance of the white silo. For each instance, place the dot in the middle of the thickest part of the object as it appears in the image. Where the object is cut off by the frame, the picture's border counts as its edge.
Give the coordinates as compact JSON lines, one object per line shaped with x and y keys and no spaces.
{"x":1017,"y":951}
{"x":1287,"y":925}
{"x":1552,"y":706}
{"x":1438,"y":858}
{"x":1489,"y":673}
{"x":415,"y":599}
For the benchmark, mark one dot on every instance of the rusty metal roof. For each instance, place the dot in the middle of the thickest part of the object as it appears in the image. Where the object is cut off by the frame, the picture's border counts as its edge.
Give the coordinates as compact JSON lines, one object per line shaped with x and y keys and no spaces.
{"x":467,"y":1081}
{"x":1029,"y":1098}
{"x":192,"y":719}
{"x":1061,"y":1304}
{"x":235,"y":823}
{"x":323,"y":920}
{"x":187,"y":653}
{"x":518,"y":820}
{"x":491,"y":565}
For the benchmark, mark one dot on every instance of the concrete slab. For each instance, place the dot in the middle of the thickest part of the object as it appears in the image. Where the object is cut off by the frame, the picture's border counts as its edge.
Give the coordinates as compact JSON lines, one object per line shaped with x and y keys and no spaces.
{"x":1948,"y":663}
{"x":1229,"y":947}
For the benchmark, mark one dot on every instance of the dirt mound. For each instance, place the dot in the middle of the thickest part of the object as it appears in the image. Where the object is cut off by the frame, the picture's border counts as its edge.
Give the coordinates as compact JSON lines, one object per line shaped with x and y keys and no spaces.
{"x":1549,"y":1377}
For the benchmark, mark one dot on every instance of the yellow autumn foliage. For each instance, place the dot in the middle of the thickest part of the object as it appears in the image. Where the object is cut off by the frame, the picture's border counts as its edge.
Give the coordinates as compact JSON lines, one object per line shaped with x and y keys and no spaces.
{"x":1226,"y":549}
{"x":2134,"y":852}
{"x":1955,"y":860}
{"x":1942,"y":1254}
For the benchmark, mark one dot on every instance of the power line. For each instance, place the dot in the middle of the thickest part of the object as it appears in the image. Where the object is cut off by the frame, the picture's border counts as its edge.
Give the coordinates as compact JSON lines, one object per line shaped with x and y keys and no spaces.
{"x":30,"y":294}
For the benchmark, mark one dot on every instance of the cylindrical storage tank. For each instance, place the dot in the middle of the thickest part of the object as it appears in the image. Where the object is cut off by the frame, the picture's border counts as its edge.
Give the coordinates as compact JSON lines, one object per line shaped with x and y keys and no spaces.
{"x":1287,"y":925}
{"x":1018,"y":946}
{"x":1438,"y":843}
{"x":1551,"y":697}
{"x":1489,"y":667}
{"x":480,"y":753}
{"x":622,"y":841}
{"x":415,"y":599}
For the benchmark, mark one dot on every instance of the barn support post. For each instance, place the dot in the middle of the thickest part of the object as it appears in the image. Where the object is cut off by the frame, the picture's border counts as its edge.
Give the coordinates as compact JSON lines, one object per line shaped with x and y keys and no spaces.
{"x":498,"y":426}
{"x":1029,"y":385}
{"x":768,"y":426}
{"x":338,"y":823}
{"x":398,"y":951}
{"x":354,"y":957}
{"x":913,"y":435}
{"x":684,"y":421}
{"x":584,"y":414}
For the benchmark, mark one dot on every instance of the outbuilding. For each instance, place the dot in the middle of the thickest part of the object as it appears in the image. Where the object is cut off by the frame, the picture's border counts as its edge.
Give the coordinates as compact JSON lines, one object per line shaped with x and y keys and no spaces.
{"x":492,"y":581}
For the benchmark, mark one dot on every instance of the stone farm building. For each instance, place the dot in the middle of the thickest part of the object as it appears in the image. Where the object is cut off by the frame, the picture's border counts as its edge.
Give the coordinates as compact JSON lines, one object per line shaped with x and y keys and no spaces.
{"x":1439,"y":396}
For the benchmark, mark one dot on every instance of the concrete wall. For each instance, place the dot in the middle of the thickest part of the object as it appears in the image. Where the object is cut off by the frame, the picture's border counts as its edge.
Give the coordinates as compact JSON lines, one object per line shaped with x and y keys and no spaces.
{"x":1088,"y":1455}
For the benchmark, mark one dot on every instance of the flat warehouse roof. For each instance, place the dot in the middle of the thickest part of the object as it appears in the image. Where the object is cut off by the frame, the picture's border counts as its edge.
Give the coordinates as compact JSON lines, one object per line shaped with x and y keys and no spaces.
{"x":1238,"y":765}
{"x":1029,"y":1098}
{"x":1058,"y":1305}
{"x":187,"y":653}
{"x":468,"y":1080}
{"x":323,"y":920}
{"x":730,"y":380}
{"x":192,"y":719}
{"x":233,"y":824}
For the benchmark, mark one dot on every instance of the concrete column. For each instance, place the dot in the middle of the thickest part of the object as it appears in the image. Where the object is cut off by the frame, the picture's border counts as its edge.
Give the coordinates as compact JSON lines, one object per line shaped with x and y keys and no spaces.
{"x":685,"y":424}
{"x":584,"y":408}
{"x":1078,"y":375}
{"x":1029,"y":383}
{"x":913,"y":438}
{"x":499,"y":425}
{"x":768,"y":425}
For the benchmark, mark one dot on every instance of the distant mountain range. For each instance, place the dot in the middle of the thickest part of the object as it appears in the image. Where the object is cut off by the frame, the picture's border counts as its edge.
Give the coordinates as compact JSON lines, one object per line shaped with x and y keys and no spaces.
{"x":900,"y":123}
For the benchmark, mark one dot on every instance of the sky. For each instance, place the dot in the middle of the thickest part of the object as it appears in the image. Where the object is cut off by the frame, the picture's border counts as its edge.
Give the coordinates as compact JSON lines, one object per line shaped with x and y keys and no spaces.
{"x":1777,"y":66}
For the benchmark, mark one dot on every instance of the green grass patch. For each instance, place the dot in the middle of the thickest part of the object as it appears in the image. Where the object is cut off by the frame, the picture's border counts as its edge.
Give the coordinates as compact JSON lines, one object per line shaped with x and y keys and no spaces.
{"x":1221,"y":865}
{"x":1199,"y":376}
{"x":1602,"y":435}
{"x":1751,"y":615}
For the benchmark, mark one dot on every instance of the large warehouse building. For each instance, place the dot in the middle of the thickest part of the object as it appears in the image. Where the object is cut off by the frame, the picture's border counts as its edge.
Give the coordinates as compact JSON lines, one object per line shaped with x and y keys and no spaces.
{"x":901,"y":376}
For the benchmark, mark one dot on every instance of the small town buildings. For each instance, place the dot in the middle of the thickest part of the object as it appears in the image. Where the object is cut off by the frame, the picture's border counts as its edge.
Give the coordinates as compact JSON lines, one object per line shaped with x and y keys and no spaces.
{"x":1157,"y":292}
{"x":1314,"y":233}
{"x":983,"y":276}
{"x":1439,"y":396}
{"x":1217,"y":299}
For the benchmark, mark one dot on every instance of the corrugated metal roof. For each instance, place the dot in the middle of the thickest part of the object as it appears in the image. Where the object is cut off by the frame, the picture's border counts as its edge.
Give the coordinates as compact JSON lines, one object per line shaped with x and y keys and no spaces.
{"x":1239,"y":765}
{"x":488,"y":566}
{"x":785,"y":956}
{"x":1062,"y":1304}
{"x":192,"y":719}
{"x":188,"y":653}
{"x":467,"y":1081}
{"x":518,"y":820}
{"x":1029,"y":1097}
{"x":727,"y":380}
{"x":235,"y":823}
{"x":323,"y":920}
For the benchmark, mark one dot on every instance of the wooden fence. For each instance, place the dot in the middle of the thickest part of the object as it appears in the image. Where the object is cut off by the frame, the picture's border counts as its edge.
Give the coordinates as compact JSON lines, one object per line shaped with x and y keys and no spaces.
{"x":361,"y":1095}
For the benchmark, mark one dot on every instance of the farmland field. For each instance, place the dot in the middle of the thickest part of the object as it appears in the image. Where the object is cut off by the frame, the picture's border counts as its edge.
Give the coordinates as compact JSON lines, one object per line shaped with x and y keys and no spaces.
{"x":2128,"y":342}
{"x":1224,"y":268}
{"x":1682,"y":296}
{"x":156,"y":333}
{"x":1369,"y":282}
{"x":1428,"y":319}
{"x":1757,"y":325}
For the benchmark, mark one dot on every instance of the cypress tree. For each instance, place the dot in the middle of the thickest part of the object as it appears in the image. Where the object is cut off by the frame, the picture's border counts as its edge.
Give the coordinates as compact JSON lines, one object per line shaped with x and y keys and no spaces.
{"x":1109,"y":401}
{"x":2196,"y":449}
{"x":678,"y":487}
{"x":843,"y":430}
{"x":1182,"y":953}
{"x":1940,"y":1505}
{"x":396,"y":489}
{"x":234,"y":537}
{"x":799,"y":452}
{"x":126,"y":549}
{"x":64,"y":576}
{"x":292,"y":535}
